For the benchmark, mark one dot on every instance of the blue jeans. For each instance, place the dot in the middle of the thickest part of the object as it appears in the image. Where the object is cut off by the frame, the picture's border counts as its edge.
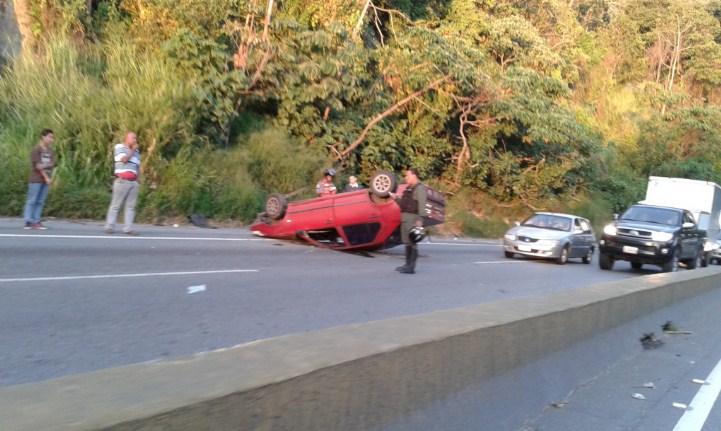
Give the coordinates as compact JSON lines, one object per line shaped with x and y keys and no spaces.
{"x":37,"y":193}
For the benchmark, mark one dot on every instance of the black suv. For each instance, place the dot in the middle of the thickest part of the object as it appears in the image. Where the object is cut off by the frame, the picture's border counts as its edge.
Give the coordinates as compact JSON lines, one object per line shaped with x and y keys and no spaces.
{"x":653,"y":235}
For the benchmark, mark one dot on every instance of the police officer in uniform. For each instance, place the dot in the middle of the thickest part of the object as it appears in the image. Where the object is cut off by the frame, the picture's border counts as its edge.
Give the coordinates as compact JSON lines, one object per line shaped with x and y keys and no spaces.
{"x":413,"y":208}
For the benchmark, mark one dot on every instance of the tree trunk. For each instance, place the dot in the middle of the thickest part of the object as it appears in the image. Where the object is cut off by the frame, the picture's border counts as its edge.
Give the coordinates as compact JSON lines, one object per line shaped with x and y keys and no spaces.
{"x":22,"y":15}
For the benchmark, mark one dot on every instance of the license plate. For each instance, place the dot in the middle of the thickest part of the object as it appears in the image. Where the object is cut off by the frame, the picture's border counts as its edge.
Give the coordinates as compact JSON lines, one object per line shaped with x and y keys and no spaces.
{"x":524,"y":248}
{"x":630,"y":250}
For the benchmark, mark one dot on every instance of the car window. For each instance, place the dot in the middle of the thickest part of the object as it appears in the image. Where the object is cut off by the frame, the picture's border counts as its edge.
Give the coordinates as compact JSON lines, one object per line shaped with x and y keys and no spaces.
{"x":652,"y":215}
{"x":586,"y":226}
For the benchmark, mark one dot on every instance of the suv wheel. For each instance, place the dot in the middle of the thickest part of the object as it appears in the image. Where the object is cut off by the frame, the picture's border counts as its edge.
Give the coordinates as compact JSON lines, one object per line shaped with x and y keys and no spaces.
{"x":696,"y":262}
{"x":605,"y":261}
{"x":587,"y":258}
{"x":636,"y":265}
{"x":509,"y":254}
{"x":671,"y":265}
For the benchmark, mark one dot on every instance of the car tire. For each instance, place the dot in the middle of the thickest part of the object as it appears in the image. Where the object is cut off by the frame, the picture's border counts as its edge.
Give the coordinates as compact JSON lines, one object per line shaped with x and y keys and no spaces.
{"x":636,"y":265}
{"x":605,"y":261}
{"x":706,"y":259}
{"x":587,"y":258}
{"x":275,"y":206}
{"x":509,"y":254}
{"x":383,"y":183}
{"x":671,"y":265}
{"x":563,"y":257}
{"x":696,"y":262}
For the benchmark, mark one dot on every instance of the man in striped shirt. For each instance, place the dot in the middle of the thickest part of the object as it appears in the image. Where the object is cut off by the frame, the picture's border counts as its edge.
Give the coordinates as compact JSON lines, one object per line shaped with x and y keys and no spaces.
{"x":125,"y":187}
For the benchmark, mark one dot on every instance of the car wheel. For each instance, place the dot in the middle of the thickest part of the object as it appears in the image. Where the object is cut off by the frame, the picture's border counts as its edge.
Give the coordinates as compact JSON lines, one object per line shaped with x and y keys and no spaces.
{"x":605,"y":261}
{"x":383,"y":183}
{"x":563,"y":257}
{"x":509,"y":254}
{"x":705,"y":261}
{"x":275,"y":206}
{"x":696,"y":261}
{"x":587,"y":258}
{"x":671,"y":265}
{"x":636,"y":265}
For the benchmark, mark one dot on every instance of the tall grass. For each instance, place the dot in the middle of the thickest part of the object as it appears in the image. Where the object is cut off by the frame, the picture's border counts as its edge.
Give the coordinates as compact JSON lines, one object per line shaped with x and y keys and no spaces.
{"x":90,"y":98}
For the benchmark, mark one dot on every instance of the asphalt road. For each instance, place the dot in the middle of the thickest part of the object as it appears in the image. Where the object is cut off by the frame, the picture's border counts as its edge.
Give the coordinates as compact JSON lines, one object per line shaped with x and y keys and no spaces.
{"x":73,"y":299}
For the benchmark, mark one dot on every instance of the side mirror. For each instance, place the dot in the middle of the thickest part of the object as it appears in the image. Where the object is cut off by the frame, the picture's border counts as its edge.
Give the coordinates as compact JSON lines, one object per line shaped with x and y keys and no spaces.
{"x":615,"y":216}
{"x":518,"y":223}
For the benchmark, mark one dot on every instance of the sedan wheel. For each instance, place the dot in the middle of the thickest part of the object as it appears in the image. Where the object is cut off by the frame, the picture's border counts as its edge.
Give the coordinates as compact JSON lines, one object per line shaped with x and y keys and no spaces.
{"x":563,"y":257}
{"x":509,"y":254}
{"x":587,"y":258}
{"x":383,"y":183}
{"x":275,"y":206}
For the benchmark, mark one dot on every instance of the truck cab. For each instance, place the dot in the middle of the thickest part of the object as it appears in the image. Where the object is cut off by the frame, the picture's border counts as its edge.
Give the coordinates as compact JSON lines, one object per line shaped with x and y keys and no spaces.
{"x":655,"y":235}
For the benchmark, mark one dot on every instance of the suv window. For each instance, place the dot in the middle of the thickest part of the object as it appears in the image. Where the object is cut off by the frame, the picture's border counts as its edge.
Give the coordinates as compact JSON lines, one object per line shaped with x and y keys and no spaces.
{"x":688,"y":217}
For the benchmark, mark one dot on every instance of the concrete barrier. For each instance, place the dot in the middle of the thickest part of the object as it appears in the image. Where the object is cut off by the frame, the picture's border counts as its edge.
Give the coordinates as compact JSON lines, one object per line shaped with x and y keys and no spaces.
{"x":345,"y":378}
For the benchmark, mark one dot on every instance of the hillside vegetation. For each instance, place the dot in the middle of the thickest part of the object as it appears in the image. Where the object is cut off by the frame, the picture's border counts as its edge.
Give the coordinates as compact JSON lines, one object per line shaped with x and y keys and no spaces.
{"x":508,"y":106}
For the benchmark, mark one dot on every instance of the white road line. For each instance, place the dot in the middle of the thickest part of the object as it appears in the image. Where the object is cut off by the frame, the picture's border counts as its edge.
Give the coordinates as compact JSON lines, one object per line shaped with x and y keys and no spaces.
{"x":147,"y":274}
{"x":123,"y":236}
{"x":503,"y":261}
{"x":486,"y":244}
{"x":695,"y":417}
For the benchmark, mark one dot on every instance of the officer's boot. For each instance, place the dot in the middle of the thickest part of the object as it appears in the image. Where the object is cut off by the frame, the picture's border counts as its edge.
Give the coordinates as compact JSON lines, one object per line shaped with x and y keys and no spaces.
{"x":411,"y":268}
{"x":408,"y":259}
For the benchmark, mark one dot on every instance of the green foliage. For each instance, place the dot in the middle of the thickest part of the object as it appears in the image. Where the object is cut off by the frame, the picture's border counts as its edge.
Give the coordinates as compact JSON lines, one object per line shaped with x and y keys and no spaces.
{"x":530,"y":103}
{"x":273,"y":163}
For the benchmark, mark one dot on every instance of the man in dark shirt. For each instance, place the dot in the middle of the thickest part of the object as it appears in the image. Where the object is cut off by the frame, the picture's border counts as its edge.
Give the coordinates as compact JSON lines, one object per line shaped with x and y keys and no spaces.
{"x":413,"y":208}
{"x":42,"y":159}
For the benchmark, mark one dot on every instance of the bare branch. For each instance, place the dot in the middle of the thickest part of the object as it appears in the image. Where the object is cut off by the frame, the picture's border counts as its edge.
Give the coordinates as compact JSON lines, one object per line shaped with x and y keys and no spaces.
{"x":389,"y":111}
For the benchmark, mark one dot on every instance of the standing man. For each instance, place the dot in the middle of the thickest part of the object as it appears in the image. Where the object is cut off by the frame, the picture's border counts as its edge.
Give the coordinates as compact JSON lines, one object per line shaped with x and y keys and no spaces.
{"x":353,"y":184}
{"x":413,"y":208}
{"x":42,"y":159}
{"x":325,"y":187}
{"x":125,"y":187}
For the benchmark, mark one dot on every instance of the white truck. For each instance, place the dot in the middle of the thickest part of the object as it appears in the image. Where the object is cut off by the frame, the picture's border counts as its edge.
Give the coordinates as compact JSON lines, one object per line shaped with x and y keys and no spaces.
{"x":702,"y":198}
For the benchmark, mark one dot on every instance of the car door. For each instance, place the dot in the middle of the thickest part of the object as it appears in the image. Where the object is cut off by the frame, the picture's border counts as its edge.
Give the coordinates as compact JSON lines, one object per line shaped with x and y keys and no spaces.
{"x":690,"y":238}
{"x":581,"y":237}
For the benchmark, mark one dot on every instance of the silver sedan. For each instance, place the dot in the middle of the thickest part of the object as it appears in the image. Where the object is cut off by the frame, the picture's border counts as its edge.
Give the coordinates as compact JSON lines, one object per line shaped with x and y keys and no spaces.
{"x":551,"y":236}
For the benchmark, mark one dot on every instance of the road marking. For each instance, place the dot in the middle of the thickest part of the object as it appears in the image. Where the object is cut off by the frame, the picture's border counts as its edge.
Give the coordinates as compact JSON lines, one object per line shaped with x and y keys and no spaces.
{"x":123,"y":236}
{"x":695,"y":417}
{"x":147,"y":274}
{"x":504,"y":261}
{"x":485,"y":244}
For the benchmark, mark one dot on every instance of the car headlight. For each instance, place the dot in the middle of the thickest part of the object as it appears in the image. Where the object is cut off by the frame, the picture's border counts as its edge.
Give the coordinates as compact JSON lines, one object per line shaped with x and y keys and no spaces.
{"x":547,"y":242}
{"x":610,"y":229}
{"x":510,"y":236}
{"x":661,"y":236}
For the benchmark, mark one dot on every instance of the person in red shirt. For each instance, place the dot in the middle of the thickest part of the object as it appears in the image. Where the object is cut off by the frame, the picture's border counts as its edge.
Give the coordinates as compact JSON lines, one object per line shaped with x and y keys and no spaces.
{"x":325,"y":187}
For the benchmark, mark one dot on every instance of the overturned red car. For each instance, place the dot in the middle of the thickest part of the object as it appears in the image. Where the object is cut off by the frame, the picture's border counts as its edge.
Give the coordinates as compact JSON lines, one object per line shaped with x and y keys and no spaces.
{"x":366,"y":219}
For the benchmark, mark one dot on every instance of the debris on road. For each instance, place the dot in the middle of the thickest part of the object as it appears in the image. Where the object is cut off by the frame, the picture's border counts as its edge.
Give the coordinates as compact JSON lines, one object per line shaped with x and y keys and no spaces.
{"x":638,"y":396}
{"x":559,"y":404}
{"x":671,"y":329}
{"x":196,"y":289}
{"x":681,"y":406}
{"x":649,"y":385}
{"x":700,"y":382}
{"x":651,"y":341}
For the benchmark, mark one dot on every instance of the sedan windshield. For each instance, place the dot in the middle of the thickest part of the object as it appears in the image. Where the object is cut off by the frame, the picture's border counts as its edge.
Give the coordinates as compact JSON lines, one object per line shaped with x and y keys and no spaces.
{"x":547,"y":221}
